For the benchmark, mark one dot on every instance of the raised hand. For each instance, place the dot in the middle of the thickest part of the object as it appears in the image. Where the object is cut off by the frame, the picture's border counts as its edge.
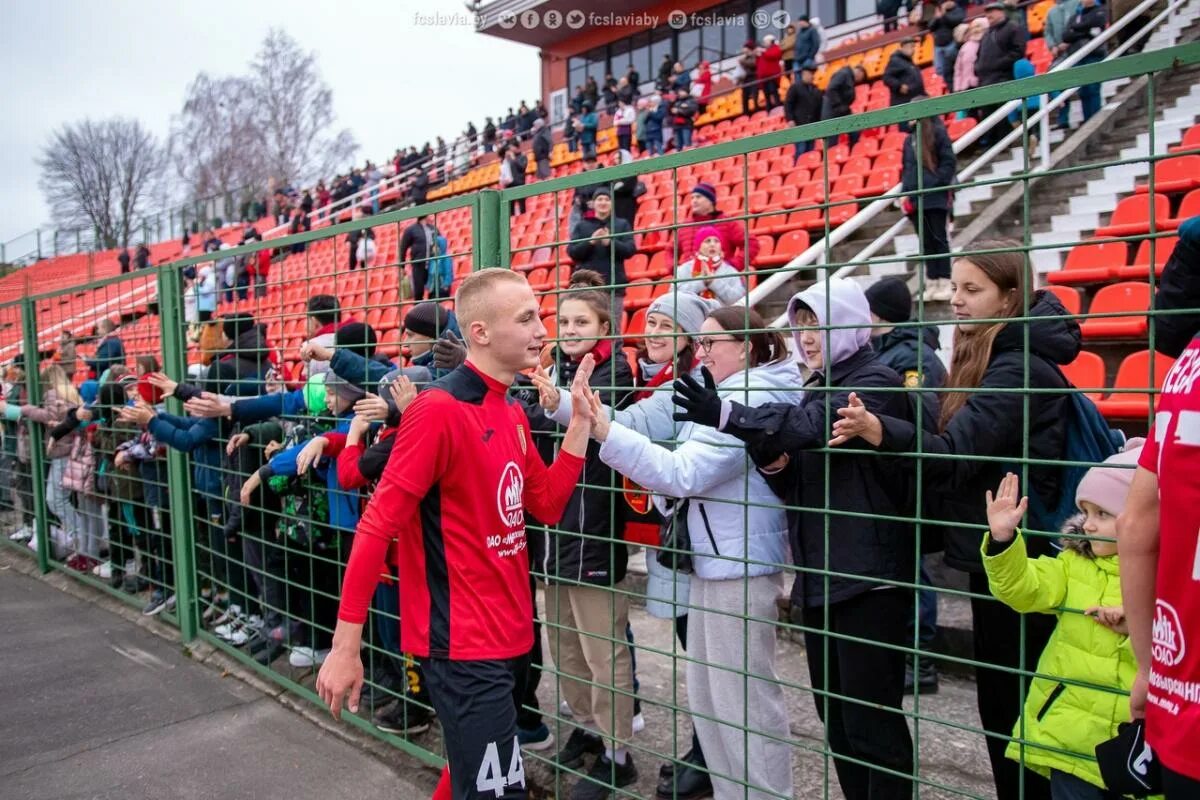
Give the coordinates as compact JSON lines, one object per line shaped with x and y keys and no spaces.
{"x":448,"y":351}
{"x":1006,"y":508}
{"x":600,"y":420}
{"x":581,"y":391}
{"x":548,"y":396}
{"x":856,"y":421}
{"x":696,"y":403}
{"x":161,"y":381}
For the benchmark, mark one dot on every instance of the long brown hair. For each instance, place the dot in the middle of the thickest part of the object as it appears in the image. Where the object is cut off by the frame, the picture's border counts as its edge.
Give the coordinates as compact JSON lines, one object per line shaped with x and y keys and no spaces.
{"x":587,"y":286}
{"x":929,"y":153}
{"x":747,"y":325}
{"x":973,"y":343}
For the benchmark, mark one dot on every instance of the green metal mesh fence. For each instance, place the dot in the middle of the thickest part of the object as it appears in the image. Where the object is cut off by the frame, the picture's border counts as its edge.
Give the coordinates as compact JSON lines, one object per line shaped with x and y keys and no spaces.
{"x":814,"y":568}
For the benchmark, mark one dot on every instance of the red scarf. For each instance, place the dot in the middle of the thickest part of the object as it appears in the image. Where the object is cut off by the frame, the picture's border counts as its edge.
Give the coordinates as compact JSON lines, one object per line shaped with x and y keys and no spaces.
{"x":664,"y":375}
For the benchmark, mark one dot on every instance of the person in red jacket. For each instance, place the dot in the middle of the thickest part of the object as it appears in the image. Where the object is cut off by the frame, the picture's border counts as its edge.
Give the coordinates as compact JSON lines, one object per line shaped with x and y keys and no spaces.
{"x":460,"y":533}
{"x":770,"y":68}
{"x":733,"y":231}
{"x":704,"y":80}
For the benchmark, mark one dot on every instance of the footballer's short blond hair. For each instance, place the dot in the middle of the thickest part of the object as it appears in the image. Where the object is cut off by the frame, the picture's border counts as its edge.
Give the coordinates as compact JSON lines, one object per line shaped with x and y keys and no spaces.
{"x":475,"y":299}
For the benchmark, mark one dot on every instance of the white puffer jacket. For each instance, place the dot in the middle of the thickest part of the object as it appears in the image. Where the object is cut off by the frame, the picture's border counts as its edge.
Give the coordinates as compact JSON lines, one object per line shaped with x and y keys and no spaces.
{"x":737,"y":527}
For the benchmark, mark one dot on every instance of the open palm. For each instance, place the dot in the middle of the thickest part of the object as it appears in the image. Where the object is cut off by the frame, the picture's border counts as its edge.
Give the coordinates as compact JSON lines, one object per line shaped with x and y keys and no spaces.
{"x":1006,"y":509}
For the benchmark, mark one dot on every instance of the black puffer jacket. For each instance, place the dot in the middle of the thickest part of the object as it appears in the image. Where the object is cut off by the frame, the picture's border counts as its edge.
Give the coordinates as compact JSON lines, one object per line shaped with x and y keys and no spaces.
{"x":1179,"y":289}
{"x":1003,"y":46}
{"x":600,"y":556}
{"x":868,"y":549}
{"x":839,"y":94}
{"x":902,"y":72}
{"x":606,"y":256}
{"x":993,"y":424}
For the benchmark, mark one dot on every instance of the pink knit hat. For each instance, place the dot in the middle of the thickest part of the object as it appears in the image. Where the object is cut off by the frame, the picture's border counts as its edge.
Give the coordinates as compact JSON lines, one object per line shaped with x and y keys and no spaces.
{"x":1108,"y":487}
{"x":705,"y":231}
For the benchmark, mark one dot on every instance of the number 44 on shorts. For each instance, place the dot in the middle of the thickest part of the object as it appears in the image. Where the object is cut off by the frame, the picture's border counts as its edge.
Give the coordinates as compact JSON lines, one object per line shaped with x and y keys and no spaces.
{"x":491,"y":779}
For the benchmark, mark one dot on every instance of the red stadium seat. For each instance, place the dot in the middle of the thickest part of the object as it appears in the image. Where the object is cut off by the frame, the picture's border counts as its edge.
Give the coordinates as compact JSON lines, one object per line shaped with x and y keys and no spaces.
{"x":1134,"y":373}
{"x":1178,"y":174}
{"x":1133,"y":214}
{"x":1091,"y":263}
{"x":1116,"y":298}
{"x":1140,"y":268}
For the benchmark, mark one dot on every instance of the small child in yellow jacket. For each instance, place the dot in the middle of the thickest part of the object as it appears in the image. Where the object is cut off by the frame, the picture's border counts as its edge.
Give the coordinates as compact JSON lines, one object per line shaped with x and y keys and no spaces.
{"x":1080,"y":693}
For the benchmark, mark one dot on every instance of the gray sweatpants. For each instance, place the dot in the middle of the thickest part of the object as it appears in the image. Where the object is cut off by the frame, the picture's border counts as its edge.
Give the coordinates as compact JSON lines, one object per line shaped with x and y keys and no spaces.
{"x":731,"y":677}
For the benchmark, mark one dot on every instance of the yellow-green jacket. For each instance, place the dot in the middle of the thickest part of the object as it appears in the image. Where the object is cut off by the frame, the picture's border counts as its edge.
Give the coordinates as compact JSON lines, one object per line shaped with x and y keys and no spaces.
{"x":1068,"y":714}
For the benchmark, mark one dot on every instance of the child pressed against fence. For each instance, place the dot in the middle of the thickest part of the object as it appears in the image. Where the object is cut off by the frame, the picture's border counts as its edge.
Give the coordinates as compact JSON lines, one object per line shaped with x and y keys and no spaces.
{"x":1077,"y":698}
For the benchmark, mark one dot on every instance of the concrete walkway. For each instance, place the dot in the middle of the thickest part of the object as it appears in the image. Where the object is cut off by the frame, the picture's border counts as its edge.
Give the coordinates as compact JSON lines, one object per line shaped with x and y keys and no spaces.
{"x":96,"y":706}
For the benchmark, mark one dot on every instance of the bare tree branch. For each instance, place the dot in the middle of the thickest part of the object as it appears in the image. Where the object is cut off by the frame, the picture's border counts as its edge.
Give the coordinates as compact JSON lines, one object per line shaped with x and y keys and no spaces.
{"x":98,"y":175}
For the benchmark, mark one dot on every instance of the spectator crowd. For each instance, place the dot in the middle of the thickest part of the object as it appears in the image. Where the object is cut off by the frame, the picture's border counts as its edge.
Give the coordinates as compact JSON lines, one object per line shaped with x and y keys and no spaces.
{"x":752,"y":452}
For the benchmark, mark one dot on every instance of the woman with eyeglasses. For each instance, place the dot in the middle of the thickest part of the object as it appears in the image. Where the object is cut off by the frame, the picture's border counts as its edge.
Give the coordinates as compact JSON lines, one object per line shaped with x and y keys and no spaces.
{"x":739,"y":547}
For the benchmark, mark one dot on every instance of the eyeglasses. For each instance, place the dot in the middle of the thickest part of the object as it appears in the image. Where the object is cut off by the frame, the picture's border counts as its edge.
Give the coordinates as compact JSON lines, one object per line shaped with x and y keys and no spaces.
{"x":706,"y":343}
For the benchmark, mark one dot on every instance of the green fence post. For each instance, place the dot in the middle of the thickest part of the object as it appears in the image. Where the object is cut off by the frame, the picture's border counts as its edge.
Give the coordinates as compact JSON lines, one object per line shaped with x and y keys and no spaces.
{"x":37,"y":454}
{"x":486,"y":230}
{"x":182,"y":532}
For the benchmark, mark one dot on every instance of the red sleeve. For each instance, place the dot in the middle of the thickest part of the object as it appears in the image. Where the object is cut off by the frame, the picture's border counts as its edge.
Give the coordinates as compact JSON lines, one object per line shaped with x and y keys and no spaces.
{"x":547,"y":489}
{"x":336,"y":441}
{"x":348,"y":473}
{"x":1149,"y":458}
{"x":423,"y":440}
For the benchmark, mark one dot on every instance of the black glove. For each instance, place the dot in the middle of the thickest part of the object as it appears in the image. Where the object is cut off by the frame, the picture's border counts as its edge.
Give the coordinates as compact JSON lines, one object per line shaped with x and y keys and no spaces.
{"x":699,"y":404}
{"x":448,"y":352}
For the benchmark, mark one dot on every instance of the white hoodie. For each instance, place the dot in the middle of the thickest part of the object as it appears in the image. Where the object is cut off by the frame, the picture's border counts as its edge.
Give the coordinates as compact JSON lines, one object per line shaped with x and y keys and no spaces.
{"x":848,"y":304}
{"x":734,"y":517}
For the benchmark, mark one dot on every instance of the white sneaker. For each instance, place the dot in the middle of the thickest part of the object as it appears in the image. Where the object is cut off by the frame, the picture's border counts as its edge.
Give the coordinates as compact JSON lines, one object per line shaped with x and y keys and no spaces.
{"x":943,"y":292}
{"x":248,"y":627}
{"x":230,"y":614}
{"x":103,"y":570}
{"x":170,"y":604}
{"x":21,"y":534}
{"x":930,"y":290}
{"x":639,"y":723}
{"x":302,"y":657}
{"x":226,"y":629}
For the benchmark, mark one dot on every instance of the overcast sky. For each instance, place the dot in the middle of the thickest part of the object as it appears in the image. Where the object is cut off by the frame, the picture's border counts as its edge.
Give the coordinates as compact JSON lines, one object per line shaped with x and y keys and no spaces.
{"x":394,"y":82}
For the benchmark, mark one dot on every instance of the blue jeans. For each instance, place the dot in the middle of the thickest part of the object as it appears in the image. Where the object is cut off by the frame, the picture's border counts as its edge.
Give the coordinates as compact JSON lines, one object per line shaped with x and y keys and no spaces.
{"x":801,"y":149}
{"x":1064,"y":786}
{"x":683,"y":138}
{"x":1089,"y":98}
{"x":943,"y":62}
{"x":654,"y":145}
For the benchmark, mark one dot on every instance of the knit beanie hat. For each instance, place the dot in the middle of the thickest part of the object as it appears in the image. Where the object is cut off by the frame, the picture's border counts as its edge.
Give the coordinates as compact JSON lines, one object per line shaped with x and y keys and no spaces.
{"x":703,"y":233}
{"x":418,"y":375}
{"x":344,"y":389}
{"x":686,"y":309}
{"x":357,"y":337}
{"x":235,"y":325}
{"x":314,"y":393}
{"x":706,"y":190}
{"x":1108,"y":486}
{"x":890,"y":300}
{"x":428,"y":319}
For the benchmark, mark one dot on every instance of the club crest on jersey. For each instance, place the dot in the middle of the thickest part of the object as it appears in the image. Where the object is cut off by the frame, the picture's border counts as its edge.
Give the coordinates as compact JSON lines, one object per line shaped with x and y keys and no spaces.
{"x":1167,"y":635}
{"x":509,"y":496}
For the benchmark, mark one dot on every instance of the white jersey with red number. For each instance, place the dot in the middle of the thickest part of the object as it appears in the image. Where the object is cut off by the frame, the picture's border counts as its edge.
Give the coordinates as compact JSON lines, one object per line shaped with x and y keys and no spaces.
{"x":1173,"y":453}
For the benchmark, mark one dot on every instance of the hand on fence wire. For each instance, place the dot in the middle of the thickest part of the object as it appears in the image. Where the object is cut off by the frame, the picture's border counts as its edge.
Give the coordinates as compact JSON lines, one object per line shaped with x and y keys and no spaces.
{"x":311,"y":453}
{"x":403,"y":392}
{"x":699,"y":404}
{"x":249,"y":487}
{"x":311,"y":351}
{"x":448,"y":351}
{"x":856,"y":421}
{"x":207,"y":404}
{"x":547,"y":392}
{"x":236,"y":441}
{"x":372,"y":408}
{"x":1111,"y":617}
{"x":1004,"y":510}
